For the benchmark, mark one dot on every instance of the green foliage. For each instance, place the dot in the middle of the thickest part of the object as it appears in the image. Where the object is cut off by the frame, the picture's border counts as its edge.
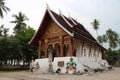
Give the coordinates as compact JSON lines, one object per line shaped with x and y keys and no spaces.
{"x":100,"y":39}
{"x":95,"y":25}
{"x":23,"y":36}
{"x":3,"y":31}
{"x":112,"y":38}
{"x":111,"y":56}
{"x":15,"y":48}
{"x":19,"y":21}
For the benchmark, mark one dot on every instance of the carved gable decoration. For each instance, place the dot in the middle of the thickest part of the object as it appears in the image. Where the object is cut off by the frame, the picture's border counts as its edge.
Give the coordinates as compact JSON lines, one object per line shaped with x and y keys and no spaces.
{"x":53,"y":30}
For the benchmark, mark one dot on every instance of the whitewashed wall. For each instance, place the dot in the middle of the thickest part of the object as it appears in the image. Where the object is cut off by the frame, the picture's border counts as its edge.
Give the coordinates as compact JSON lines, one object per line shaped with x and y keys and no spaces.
{"x":81,"y":60}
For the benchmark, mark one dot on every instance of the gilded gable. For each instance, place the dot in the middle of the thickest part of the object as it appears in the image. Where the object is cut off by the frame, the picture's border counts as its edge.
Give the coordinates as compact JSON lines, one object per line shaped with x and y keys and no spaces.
{"x":53,"y":31}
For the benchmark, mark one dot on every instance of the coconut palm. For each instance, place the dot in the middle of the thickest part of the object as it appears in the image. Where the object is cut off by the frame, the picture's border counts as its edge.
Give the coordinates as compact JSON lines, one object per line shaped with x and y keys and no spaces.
{"x":100,"y":39}
{"x":112,"y":38}
{"x":5,"y":32}
{"x":3,"y":8}
{"x":1,"y":30}
{"x":105,"y":39}
{"x":19,"y":20}
{"x":95,"y":25}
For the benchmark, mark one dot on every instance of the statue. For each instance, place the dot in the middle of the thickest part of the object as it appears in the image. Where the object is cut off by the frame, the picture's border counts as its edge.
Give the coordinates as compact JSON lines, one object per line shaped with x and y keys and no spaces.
{"x":71,"y":66}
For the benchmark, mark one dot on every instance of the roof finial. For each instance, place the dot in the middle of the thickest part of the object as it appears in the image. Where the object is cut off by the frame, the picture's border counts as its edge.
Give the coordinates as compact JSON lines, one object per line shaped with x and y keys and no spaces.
{"x":76,"y":19}
{"x":68,"y":14}
{"x":47,"y":6}
{"x":60,"y":13}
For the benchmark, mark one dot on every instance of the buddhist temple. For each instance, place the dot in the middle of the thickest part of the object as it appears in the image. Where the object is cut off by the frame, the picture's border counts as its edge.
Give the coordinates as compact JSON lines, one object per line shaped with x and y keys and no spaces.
{"x":60,"y":38}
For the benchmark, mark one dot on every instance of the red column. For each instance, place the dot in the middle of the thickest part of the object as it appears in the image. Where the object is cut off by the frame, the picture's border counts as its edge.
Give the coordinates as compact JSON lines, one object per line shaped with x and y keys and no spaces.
{"x":71,"y":47}
{"x":39,"y":50}
{"x":61,"y":46}
{"x":46,"y":41}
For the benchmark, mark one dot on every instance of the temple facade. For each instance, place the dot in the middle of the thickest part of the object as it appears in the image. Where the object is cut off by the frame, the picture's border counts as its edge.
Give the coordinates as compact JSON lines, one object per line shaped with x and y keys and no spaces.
{"x":59,"y":38}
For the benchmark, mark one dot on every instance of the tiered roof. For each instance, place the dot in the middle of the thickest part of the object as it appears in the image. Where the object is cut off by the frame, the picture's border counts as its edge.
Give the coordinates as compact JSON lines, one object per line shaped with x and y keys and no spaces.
{"x":69,"y":25}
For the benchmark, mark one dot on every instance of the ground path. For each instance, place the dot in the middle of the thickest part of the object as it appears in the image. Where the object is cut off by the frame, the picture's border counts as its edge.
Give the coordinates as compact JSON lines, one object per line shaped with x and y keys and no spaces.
{"x":26,"y":75}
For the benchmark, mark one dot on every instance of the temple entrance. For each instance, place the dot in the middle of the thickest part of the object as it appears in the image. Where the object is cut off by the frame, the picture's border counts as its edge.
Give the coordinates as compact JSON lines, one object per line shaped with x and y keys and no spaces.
{"x":50,"y":51}
{"x":57,"y":50}
{"x":66,"y":49}
{"x":42,"y":53}
{"x":53,"y":52}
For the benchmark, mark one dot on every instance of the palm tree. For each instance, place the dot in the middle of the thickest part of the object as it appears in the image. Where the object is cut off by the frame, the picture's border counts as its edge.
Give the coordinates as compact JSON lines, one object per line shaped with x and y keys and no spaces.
{"x":3,"y":8}
{"x":112,"y":38}
{"x":5,"y":32}
{"x":100,"y":39}
{"x":1,"y":30}
{"x":19,"y":20}
{"x":95,"y":25}
{"x":105,"y":39}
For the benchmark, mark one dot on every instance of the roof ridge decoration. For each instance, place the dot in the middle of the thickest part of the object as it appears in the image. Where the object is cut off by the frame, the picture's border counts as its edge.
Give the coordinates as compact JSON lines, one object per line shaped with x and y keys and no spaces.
{"x":47,"y":6}
{"x":49,"y":11}
{"x":60,"y":12}
{"x":73,"y":20}
{"x":66,"y":20}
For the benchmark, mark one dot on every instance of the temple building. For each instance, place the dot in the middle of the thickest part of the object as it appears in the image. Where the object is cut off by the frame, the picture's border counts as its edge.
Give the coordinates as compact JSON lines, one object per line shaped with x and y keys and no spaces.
{"x":59,"y":38}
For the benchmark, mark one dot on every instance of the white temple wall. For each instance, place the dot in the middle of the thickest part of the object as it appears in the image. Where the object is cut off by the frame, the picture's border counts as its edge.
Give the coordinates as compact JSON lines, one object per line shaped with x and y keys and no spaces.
{"x":94,"y":55}
{"x":44,"y":64}
{"x":92,"y":60}
{"x":78,"y":47}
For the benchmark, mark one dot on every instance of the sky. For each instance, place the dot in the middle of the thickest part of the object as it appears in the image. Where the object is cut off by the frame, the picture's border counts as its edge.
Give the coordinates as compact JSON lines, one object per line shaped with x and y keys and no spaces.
{"x":84,"y":11}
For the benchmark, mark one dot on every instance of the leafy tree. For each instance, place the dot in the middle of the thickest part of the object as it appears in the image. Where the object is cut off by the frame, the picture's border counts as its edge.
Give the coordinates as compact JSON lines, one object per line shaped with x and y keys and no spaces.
{"x":3,"y":31}
{"x":95,"y":25}
{"x":111,"y":56}
{"x":3,"y":8}
{"x":23,"y":36}
{"x":119,"y":41}
{"x":4,"y":50}
{"x":119,"y":49}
